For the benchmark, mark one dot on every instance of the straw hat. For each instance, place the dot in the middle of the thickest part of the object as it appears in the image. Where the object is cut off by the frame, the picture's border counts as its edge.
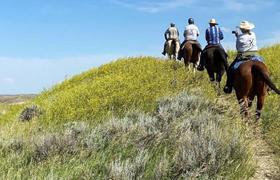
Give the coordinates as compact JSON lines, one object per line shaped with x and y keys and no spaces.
{"x":213,"y":21}
{"x":246,"y":25}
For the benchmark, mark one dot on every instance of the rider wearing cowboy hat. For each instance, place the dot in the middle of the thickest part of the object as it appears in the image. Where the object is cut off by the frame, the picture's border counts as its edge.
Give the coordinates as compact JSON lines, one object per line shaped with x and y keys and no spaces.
{"x":213,"y":36}
{"x":171,"y":33}
{"x":246,"y":46}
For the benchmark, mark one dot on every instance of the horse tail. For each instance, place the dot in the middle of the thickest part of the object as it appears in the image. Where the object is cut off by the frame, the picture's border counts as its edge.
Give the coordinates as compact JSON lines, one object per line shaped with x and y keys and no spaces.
{"x":266,"y":78}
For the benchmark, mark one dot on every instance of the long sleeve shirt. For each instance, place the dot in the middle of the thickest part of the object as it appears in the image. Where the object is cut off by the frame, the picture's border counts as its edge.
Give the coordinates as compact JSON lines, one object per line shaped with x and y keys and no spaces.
{"x":213,"y":35}
{"x":246,"y":42}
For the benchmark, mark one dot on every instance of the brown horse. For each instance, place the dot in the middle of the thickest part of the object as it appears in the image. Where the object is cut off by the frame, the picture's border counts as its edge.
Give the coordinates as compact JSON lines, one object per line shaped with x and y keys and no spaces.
{"x":216,"y":64}
{"x":252,"y":79}
{"x":191,"y":53}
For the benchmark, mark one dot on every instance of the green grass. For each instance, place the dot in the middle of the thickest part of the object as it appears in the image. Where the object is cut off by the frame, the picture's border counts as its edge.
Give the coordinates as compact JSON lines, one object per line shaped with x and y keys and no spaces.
{"x":112,"y":90}
{"x":271,"y":114}
{"x":175,"y":141}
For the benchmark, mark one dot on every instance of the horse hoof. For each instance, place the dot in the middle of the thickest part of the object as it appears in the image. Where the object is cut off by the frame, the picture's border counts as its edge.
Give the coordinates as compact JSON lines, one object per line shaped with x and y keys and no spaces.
{"x":227,"y":90}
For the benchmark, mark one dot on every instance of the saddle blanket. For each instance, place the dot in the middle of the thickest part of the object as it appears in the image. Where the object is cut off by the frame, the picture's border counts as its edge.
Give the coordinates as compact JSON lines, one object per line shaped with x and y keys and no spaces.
{"x":253,"y":58}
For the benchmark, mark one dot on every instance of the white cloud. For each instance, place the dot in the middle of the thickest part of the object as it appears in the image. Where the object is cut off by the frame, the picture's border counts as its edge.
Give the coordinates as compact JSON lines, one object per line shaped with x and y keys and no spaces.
{"x":156,"y":6}
{"x":246,"y":5}
{"x":8,"y":80}
{"x":153,"y":7}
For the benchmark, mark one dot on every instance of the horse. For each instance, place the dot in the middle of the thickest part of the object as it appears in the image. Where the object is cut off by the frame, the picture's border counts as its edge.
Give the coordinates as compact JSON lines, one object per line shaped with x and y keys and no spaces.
{"x":215,"y":59}
{"x":172,"y":49}
{"x":252,"y":79}
{"x":191,"y":53}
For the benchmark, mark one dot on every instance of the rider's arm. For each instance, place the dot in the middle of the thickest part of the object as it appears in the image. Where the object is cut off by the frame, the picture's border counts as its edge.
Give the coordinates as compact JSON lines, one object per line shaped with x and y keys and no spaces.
{"x":221,"y":34}
{"x":166,"y":35}
{"x":207,"y":35}
{"x":185,"y":33}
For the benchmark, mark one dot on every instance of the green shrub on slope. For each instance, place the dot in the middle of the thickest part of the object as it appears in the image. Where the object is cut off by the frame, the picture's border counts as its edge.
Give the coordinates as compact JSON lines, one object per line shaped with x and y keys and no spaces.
{"x":185,"y":137}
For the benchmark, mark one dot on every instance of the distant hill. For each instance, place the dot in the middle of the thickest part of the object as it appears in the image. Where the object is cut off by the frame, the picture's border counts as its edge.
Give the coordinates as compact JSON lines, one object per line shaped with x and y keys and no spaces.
{"x":14,"y":99}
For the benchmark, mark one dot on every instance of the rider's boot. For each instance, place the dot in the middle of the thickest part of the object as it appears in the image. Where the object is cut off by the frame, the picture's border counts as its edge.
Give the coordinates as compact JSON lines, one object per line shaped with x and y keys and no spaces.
{"x":200,"y":67}
{"x":164,"y":49}
{"x":201,"y":64}
{"x":229,"y":83}
{"x":179,"y":57}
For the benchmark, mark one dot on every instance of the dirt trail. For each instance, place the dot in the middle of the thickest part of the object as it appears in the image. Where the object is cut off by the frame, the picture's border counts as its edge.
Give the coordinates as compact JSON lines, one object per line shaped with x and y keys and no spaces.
{"x":264,"y":156}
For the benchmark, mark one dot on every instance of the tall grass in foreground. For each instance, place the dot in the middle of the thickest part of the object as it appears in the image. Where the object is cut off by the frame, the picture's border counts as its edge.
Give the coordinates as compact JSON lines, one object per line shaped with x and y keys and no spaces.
{"x":271,"y":115}
{"x":185,"y":137}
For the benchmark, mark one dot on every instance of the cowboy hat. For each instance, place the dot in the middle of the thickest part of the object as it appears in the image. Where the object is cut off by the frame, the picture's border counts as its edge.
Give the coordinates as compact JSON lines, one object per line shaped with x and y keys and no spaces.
{"x":246,"y":25}
{"x":213,"y":21}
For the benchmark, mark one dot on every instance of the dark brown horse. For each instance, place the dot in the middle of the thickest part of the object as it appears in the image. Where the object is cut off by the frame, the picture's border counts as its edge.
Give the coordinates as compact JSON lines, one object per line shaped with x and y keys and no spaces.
{"x":215,"y":60}
{"x":191,"y":53}
{"x":252,"y":79}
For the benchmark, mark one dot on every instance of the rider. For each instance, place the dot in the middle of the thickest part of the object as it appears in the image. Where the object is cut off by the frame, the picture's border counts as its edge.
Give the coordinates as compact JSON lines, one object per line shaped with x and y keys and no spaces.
{"x":246,"y":46}
{"x":171,"y":34}
{"x":191,"y":33}
{"x":213,"y":36}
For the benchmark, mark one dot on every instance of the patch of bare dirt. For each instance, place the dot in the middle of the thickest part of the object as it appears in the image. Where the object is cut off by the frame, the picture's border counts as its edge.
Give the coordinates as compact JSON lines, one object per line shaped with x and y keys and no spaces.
{"x":264,"y":156}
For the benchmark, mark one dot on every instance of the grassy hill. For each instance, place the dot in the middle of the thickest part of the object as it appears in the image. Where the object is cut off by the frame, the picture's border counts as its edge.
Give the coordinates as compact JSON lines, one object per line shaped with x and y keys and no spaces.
{"x":130,"y":118}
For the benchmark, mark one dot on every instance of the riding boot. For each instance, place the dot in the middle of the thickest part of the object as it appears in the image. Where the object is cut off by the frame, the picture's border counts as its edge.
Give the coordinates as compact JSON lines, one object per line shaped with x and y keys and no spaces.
{"x":179,"y":57}
{"x":229,"y":83}
{"x":164,"y":49}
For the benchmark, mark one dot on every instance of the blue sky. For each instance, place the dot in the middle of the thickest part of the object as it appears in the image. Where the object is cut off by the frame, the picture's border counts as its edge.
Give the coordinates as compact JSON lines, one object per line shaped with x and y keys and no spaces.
{"x":43,"y":42}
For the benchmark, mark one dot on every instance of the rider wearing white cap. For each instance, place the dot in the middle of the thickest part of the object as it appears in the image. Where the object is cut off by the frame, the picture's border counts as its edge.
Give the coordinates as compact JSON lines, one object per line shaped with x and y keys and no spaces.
{"x":246,"y":46}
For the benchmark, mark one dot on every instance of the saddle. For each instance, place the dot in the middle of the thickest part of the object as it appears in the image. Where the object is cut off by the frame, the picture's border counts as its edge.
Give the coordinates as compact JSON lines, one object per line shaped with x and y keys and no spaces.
{"x":192,"y":42}
{"x":241,"y":59}
{"x":212,"y":46}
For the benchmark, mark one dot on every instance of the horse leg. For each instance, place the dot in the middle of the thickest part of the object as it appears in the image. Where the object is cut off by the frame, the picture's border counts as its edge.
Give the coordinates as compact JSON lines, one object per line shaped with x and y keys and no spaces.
{"x":211,"y":75}
{"x":251,"y":99}
{"x":243,"y":102}
{"x":189,"y":66}
{"x":177,"y":49}
{"x":260,"y":102}
{"x":194,"y":68}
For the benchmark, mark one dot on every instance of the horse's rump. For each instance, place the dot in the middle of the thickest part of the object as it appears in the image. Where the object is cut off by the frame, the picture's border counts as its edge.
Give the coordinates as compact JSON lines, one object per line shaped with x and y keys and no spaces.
{"x":252,"y":79}
{"x":172,"y":47}
{"x":194,"y":44}
{"x":215,"y":58}
{"x":191,"y":52}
